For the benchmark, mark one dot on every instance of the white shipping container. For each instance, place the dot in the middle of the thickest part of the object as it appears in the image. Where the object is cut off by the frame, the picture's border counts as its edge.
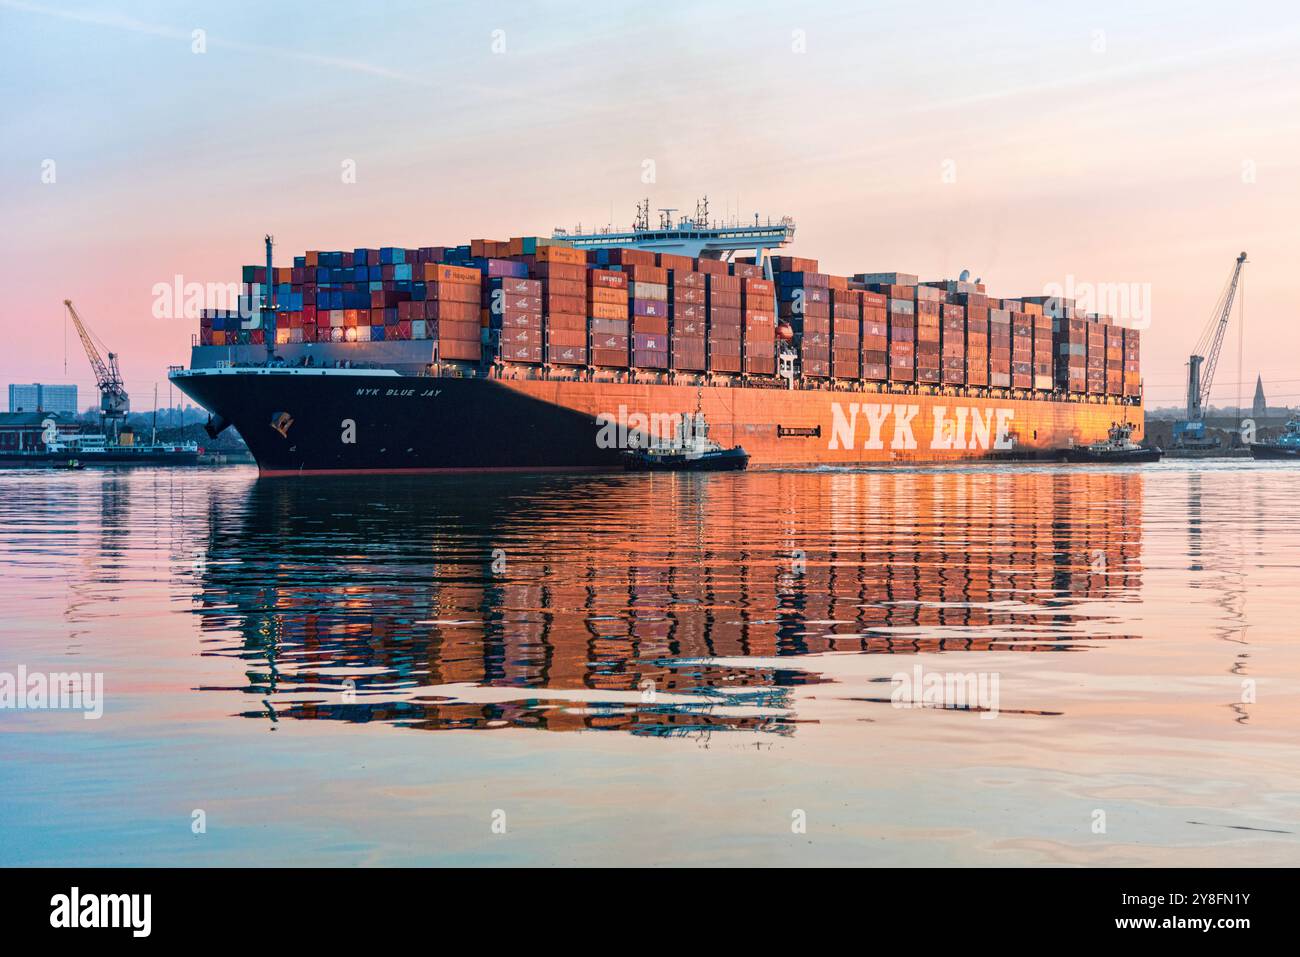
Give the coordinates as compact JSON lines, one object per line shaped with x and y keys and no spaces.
{"x":887,"y":278}
{"x":648,"y":290}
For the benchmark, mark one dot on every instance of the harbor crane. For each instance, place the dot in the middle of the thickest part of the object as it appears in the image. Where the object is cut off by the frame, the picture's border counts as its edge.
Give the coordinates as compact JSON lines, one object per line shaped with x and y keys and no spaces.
{"x":113,"y":401}
{"x":1190,"y":433}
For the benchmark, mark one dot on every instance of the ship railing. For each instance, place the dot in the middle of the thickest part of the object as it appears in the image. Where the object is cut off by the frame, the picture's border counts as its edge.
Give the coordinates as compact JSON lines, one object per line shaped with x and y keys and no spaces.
{"x":512,"y":370}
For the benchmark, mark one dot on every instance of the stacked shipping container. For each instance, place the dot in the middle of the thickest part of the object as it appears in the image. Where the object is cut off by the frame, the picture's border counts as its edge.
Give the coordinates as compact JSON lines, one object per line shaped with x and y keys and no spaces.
{"x":758,"y":305}
{"x":902,"y":336}
{"x":536,"y":301}
{"x":1042,"y":366}
{"x":929,"y":334}
{"x":514,"y":310}
{"x":453,"y":296}
{"x":1000,"y":347}
{"x":722,"y":302}
{"x":952,"y":340}
{"x":804,"y":302}
{"x":648,"y":305}
{"x":846,"y":330}
{"x":1071,"y":338}
{"x":687,"y":319}
{"x":977,"y":338}
{"x":562,"y":271}
{"x":1114,"y":360}
{"x":1132,"y":363}
{"x":1022,"y":344}
{"x":1095,"y":381}
{"x":609,"y":323}
{"x":875,"y":336}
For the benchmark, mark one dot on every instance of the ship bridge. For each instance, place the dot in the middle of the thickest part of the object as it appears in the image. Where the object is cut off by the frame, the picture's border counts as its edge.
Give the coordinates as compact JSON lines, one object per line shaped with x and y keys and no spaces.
{"x":694,"y":237}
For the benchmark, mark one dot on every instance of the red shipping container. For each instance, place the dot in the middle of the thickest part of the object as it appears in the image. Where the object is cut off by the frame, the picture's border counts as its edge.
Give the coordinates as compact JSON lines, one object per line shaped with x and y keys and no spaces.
{"x":649,"y":274}
{"x":567,"y":337}
{"x":566,"y":355}
{"x":460,"y":331}
{"x":607,"y":278}
{"x":643,"y":359}
{"x":523,"y":352}
{"x":671,"y":261}
{"x":631,"y":257}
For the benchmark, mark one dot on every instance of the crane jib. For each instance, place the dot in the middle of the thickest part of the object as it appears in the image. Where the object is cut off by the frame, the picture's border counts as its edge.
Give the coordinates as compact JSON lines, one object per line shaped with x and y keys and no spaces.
{"x":113,"y":401}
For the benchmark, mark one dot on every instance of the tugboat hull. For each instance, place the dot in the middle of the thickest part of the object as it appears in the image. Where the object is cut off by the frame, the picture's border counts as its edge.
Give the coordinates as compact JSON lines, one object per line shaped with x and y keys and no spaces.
{"x":723,"y":460}
{"x":1274,"y":452}
{"x":1112,"y":457}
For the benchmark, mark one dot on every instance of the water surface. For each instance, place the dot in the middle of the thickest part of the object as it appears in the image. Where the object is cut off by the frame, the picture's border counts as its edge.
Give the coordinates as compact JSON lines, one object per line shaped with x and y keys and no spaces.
{"x":656,"y":668}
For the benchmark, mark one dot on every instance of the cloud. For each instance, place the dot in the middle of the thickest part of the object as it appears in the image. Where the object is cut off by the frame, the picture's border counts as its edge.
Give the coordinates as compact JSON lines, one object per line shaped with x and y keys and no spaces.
{"x":1162,"y":66}
{"x":118,"y":21}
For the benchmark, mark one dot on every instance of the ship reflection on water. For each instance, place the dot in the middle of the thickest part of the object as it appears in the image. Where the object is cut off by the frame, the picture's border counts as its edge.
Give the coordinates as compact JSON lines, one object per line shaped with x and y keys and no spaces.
{"x":651,"y":604}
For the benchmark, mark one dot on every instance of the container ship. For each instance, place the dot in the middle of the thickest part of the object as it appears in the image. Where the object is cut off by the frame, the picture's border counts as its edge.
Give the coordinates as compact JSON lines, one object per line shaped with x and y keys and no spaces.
{"x":564,"y":351}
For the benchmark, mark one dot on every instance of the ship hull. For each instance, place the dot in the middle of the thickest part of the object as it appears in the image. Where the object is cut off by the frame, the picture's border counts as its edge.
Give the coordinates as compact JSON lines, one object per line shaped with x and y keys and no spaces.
{"x":304,"y":422}
{"x":721,"y":460}
{"x":1275,"y":452}
{"x":111,"y":458}
{"x":1112,"y":457}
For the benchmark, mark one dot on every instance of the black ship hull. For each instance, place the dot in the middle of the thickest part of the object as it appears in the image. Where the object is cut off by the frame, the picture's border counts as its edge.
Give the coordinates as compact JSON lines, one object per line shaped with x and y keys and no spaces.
{"x":335,"y":423}
{"x":1112,"y":456}
{"x":304,"y":420}
{"x":721,"y":460}
{"x":116,"y":457}
{"x":1275,"y":452}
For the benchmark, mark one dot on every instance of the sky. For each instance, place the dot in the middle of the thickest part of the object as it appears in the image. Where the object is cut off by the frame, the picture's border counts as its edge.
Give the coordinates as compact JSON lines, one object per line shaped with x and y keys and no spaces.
{"x":1117,"y":147}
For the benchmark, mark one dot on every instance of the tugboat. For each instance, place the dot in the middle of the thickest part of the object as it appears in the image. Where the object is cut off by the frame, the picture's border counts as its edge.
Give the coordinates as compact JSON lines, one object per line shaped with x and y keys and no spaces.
{"x":1118,"y":448}
{"x":691,"y":450}
{"x":1286,"y":446}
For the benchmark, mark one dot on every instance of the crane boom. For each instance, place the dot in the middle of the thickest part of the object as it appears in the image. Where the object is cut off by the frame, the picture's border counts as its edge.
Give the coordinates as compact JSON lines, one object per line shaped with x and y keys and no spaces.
{"x":113,"y":400}
{"x":1207,"y":354}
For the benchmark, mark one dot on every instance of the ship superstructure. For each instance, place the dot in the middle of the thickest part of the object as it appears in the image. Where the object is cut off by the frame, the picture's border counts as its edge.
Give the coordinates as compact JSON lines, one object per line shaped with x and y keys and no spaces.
{"x":695,"y":236}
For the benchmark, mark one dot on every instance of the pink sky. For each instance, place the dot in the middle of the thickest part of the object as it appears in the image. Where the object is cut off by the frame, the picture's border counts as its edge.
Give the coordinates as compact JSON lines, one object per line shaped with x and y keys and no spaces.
{"x":1026,"y":144}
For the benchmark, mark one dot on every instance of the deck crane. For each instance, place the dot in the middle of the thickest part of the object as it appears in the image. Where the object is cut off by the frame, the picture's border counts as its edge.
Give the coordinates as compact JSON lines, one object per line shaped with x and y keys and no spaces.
{"x":1190,"y":434}
{"x":113,"y":402}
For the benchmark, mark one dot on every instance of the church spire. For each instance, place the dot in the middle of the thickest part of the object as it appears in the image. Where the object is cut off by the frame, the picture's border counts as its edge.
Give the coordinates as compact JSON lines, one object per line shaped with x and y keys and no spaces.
{"x":1260,"y":409}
